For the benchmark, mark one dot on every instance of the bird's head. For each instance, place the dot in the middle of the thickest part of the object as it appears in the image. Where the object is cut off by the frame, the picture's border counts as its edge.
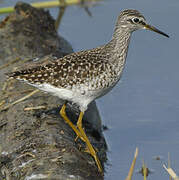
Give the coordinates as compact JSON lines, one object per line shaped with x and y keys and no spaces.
{"x":133,"y":20}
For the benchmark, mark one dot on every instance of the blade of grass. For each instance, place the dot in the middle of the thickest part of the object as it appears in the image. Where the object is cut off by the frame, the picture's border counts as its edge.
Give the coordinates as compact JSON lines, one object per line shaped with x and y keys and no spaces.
{"x":19,"y":100}
{"x":144,"y":168}
{"x":34,"y":108}
{"x":171,"y":172}
{"x":129,"y":177}
{"x":60,"y":14}
{"x":46,"y":4}
{"x":169,"y":164}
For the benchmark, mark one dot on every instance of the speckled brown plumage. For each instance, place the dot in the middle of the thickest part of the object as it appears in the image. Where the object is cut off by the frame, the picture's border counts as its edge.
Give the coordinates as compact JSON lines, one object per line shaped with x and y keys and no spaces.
{"x":83,"y":67}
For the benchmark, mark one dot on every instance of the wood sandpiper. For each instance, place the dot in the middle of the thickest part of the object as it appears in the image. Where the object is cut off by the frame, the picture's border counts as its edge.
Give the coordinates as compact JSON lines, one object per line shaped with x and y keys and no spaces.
{"x":84,"y":76}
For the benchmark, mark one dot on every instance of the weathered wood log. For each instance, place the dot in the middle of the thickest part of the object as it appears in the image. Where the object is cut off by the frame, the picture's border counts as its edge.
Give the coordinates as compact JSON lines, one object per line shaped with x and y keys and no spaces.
{"x":38,"y":144}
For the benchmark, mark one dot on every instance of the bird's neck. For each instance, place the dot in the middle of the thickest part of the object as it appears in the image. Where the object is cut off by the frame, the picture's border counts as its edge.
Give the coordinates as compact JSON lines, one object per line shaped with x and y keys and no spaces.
{"x":118,"y":46}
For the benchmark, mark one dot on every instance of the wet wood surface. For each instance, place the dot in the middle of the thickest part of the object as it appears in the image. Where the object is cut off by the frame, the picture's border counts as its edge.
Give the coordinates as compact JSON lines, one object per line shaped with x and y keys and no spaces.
{"x":34,"y":140}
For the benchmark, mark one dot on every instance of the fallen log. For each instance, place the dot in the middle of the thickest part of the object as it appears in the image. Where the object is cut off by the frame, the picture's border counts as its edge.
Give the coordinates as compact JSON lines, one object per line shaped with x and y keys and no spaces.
{"x":35,"y":142}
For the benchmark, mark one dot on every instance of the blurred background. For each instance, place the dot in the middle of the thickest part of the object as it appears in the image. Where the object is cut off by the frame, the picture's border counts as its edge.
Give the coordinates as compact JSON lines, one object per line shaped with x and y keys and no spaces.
{"x":143,"y":109}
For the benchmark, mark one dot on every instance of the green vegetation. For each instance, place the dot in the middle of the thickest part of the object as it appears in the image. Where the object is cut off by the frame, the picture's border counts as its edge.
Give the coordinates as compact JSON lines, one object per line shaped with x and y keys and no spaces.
{"x":47,"y":4}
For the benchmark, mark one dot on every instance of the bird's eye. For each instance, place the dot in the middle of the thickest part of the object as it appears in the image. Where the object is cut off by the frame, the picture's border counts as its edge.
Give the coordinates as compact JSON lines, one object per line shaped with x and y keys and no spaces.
{"x":136,"y":20}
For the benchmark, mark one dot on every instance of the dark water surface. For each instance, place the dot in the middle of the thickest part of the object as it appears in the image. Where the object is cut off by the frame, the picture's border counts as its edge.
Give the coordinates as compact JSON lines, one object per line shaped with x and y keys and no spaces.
{"x":143,"y":109}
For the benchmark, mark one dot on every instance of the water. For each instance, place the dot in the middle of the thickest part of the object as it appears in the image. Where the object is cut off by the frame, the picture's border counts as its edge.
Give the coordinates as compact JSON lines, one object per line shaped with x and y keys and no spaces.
{"x":143,"y":109}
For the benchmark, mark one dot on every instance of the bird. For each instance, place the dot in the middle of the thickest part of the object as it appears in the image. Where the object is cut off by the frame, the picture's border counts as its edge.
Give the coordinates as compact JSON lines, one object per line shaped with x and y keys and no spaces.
{"x":82,"y":77}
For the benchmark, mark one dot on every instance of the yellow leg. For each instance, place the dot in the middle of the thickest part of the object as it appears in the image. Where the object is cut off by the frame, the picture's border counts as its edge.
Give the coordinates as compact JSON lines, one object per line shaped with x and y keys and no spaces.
{"x":63,"y":114}
{"x":90,"y":147}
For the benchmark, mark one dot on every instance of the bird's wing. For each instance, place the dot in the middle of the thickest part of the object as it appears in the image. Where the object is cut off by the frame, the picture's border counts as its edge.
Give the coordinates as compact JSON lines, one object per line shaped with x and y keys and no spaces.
{"x":75,"y":68}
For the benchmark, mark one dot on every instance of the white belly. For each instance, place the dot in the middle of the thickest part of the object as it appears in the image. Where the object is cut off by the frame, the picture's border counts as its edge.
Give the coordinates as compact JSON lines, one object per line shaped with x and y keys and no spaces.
{"x":77,"y":96}
{"x":81,"y":95}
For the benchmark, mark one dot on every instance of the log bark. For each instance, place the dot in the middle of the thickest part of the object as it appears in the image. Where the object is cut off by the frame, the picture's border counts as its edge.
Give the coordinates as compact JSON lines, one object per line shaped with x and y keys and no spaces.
{"x":38,"y":144}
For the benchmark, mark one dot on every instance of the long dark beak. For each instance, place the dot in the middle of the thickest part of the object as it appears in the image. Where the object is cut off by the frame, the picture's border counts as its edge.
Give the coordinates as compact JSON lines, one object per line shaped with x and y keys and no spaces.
{"x":152,"y":28}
